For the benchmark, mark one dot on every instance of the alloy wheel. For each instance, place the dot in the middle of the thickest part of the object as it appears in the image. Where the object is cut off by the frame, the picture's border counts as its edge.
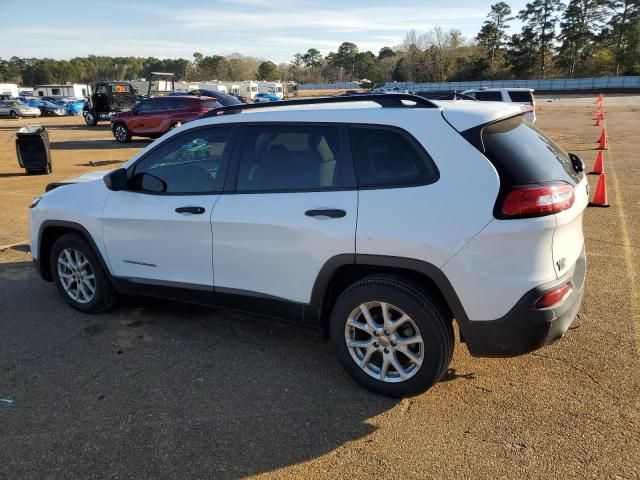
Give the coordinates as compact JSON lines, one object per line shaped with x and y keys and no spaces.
{"x":121,"y":133}
{"x":384,"y":342}
{"x":76,"y":275}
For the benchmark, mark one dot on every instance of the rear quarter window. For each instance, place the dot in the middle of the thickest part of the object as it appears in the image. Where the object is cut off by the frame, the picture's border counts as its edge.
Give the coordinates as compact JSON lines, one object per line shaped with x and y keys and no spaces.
{"x":523,"y":155}
{"x":389,"y":158}
{"x":520,"y":96}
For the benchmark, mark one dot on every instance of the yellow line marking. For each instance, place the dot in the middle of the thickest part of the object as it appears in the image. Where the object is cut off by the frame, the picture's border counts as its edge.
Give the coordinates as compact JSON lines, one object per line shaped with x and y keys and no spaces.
{"x":626,"y":246}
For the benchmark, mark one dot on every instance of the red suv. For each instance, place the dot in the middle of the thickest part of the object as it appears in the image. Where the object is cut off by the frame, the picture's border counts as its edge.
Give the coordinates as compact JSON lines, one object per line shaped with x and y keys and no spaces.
{"x":156,"y":116}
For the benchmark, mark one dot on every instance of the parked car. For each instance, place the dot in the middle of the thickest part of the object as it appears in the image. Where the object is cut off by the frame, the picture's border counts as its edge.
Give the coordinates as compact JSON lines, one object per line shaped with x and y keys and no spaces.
{"x":15,"y":109}
{"x":47,"y":109}
{"x":242,"y":98}
{"x":224,"y":99}
{"x":464,"y":212}
{"x":265,"y":97}
{"x":71,"y":107}
{"x":521,"y":96}
{"x":156,"y":116}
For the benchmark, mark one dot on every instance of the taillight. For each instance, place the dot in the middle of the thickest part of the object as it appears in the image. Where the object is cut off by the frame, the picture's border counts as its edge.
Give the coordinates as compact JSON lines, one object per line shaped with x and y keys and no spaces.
{"x":554,"y":297}
{"x":538,"y":200}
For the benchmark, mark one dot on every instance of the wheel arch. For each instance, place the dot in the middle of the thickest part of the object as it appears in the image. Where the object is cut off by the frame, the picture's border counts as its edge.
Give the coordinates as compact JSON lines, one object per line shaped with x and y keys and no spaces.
{"x":50,"y":232}
{"x":343,"y":270}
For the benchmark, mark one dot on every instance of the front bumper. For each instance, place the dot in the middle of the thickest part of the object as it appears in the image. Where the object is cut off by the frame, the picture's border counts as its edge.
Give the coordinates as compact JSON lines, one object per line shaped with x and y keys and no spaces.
{"x":525,"y":328}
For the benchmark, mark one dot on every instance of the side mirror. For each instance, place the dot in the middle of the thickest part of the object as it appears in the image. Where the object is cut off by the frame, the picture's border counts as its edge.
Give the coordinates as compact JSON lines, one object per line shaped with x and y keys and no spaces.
{"x":116,"y":180}
{"x":149,"y":183}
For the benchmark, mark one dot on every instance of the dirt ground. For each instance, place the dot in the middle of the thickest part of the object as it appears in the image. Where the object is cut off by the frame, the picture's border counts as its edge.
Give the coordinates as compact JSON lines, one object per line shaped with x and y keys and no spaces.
{"x":157,"y":389}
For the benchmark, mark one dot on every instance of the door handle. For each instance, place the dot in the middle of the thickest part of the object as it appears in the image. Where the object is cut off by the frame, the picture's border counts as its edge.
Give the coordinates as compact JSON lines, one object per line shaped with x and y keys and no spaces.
{"x":194,"y":210}
{"x":326,"y":212}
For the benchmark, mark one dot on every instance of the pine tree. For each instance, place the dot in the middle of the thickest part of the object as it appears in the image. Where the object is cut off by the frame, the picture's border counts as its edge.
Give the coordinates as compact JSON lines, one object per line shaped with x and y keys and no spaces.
{"x":581,"y":23}
{"x":541,"y":17}
{"x":624,"y":26}
{"x":493,"y":31}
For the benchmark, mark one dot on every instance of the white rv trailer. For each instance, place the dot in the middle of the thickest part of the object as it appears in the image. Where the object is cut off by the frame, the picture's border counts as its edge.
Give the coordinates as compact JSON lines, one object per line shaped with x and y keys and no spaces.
{"x":62,"y":90}
{"x":9,"y":89}
{"x":249,"y":89}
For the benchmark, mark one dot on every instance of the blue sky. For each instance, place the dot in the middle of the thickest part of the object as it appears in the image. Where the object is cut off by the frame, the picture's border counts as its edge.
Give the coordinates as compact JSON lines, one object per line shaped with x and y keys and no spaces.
{"x":272,"y":29}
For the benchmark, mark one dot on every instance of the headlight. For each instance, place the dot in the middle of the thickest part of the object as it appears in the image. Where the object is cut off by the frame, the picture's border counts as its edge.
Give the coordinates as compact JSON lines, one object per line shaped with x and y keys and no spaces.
{"x":35,"y":202}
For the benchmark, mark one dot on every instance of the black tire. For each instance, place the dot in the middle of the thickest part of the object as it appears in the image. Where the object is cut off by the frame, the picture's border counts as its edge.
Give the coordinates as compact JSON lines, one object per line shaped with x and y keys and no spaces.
{"x":13,"y":114}
{"x":121,"y":133}
{"x":27,"y":171}
{"x":424,"y":309}
{"x":105,"y":295}
{"x":91,"y":118}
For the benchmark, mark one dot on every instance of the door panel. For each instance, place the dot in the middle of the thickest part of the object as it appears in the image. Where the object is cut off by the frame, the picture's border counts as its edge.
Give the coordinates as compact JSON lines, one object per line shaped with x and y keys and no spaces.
{"x":266,"y":237}
{"x":160,"y":230}
{"x":265,"y":243}
{"x":145,"y":238}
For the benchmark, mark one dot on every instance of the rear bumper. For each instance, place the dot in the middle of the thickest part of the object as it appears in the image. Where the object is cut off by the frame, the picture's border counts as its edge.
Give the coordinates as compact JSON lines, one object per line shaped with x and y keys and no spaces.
{"x":524,"y":328}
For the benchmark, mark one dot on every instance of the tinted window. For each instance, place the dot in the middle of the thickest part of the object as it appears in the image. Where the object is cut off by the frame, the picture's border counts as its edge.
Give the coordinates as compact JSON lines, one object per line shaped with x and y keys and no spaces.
{"x":282,"y":157}
{"x":147,"y":106}
{"x":523,"y":155}
{"x":386,"y":157}
{"x":489,"y":96}
{"x":520,"y":96}
{"x":189,"y":163}
{"x":211,"y":104}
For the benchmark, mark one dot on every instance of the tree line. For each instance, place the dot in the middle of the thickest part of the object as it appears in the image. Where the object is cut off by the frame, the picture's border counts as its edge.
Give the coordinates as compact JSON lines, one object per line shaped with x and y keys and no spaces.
{"x":576,"y":39}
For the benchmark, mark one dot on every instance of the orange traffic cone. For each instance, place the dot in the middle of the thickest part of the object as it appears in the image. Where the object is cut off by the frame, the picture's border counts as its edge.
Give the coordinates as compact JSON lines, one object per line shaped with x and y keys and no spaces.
{"x":603,"y":140}
{"x":598,"y":167}
{"x":600,"y":197}
{"x":598,"y":121}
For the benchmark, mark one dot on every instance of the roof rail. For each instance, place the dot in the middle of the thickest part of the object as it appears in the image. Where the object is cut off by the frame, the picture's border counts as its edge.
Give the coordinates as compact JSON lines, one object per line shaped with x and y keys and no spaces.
{"x":385,"y":100}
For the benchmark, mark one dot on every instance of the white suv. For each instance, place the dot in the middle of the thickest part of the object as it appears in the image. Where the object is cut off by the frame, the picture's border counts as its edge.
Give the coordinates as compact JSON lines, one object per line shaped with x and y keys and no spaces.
{"x":379,"y":218}
{"x":520,"y":96}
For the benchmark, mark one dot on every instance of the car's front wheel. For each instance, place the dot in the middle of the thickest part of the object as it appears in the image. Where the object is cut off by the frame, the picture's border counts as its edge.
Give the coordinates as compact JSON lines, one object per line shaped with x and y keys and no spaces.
{"x":121,"y":133}
{"x":392,"y":337}
{"x":13,"y":114}
{"x":79,"y":276}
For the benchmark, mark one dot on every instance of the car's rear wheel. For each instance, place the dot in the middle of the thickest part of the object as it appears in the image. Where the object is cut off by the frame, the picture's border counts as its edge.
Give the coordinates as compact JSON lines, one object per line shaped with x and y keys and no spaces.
{"x":392,"y":337}
{"x":121,"y":133}
{"x":91,"y":118}
{"x":79,"y":276}
{"x":13,"y":114}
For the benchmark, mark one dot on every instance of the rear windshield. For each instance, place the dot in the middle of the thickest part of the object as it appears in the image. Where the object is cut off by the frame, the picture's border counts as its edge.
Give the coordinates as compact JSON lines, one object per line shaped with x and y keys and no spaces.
{"x":489,"y":96}
{"x":520,"y":96}
{"x":524,"y":155}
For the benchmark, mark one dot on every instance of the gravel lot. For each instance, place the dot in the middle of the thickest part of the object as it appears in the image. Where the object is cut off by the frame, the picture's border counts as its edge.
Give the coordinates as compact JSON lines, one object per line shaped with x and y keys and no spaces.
{"x":156,"y":389}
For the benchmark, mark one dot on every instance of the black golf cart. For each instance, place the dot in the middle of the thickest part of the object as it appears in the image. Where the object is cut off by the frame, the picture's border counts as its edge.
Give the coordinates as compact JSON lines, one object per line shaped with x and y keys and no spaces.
{"x":108,"y":98}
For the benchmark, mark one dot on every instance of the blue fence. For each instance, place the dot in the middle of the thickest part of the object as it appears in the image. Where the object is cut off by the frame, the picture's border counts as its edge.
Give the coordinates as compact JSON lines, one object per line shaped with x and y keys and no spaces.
{"x":555,"y":84}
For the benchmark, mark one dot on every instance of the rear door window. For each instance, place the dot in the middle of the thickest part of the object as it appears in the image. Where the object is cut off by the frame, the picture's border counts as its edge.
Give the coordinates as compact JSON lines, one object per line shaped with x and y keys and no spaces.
{"x":389,"y":158}
{"x":524,"y":155}
{"x":520,"y":96}
{"x":290,"y":157}
{"x":489,"y":96}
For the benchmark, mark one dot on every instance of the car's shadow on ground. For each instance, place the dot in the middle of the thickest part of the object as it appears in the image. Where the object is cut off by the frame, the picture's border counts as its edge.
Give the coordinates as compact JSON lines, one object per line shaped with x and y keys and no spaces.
{"x":100,"y":163}
{"x":98,"y":144}
{"x":162,"y":389}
